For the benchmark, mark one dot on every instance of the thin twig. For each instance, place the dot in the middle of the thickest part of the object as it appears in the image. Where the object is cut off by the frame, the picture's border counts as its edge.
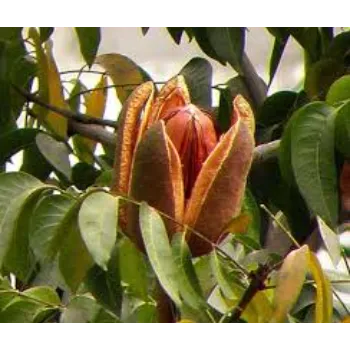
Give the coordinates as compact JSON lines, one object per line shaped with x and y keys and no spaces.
{"x":290,"y":236}
{"x":80,"y":117}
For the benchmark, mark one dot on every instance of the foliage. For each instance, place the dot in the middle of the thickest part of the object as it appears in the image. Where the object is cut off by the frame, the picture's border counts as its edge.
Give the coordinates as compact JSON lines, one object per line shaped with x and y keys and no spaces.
{"x":238,"y":246}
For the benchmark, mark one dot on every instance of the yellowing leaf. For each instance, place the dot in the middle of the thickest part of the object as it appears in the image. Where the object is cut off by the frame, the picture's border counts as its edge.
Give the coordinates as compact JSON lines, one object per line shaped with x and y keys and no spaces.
{"x":124,"y":73}
{"x":262,"y":306}
{"x":289,"y":282}
{"x":95,"y":107}
{"x":238,"y":224}
{"x":324,"y":300}
{"x":56,"y":122}
{"x":346,"y":320}
{"x":42,"y":72}
{"x":185,"y":321}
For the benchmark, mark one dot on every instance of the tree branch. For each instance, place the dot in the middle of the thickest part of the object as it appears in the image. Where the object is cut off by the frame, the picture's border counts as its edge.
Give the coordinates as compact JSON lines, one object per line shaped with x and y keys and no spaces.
{"x":79,"y":117}
{"x":256,"y":284}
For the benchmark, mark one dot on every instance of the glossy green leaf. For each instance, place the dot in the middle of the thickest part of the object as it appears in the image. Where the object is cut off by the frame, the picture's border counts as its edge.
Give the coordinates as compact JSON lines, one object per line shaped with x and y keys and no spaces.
{"x":342,"y":130}
{"x":313,"y":159}
{"x":202,"y":38}
{"x":339,"y":90}
{"x":133,"y":269}
{"x":98,"y":223}
{"x":47,"y":229}
{"x":285,"y":152}
{"x":159,"y":251}
{"x":331,"y":241}
{"x":85,"y":309}
{"x":55,"y":152}
{"x":16,"y":189}
{"x":20,"y":310}
{"x":198,"y":74}
{"x":6,"y":297}
{"x":74,"y":258}
{"x":188,"y":283}
{"x":43,"y":294}
{"x":228,"y":42}
{"x":45,"y":315}
{"x":276,"y":108}
{"x":89,"y":41}
{"x":106,"y":286}
{"x":139,"y":312}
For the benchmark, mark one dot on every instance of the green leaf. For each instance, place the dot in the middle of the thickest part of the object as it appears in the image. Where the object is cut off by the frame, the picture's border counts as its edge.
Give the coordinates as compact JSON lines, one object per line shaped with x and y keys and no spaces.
{"x":331,"y":241}
{"x":159,"y":251}
{"x":84,"y":175}
{"x":55,"y":152}
{"x":106,"y":286}
{"x":141,"y":312}
{"x":104,"y":179}
{"x":276,"y":108}
{"x":19,"y":258}
{"x":198,"y":74}
{"x":20,"y":310}
{"x":85,"y":309}
{"x":250,"y":207}
{"x":15,"y":141}
{"x":285,"y":152}
{"x":34,"y":163}
{"x":228,"y":42}
{"x":202,"y":38}
{"x":98,"y":221}
{"x":45,"y":315}
{"x":205,"y":274}
{"x":45,"y":33}
{"x":16,"y":189}
{"x":133,"y":269}
{"x":44,"y":294}
{"x":89,"y":41}
{"x":277,"y":52}
{"x":11,"y":33}
{"x":7,"y":297}
{"x":6,"y":121}
{"x":313,"y":159}
{"x":339,"y":90}
{"x":225,"y":110}
{"x":321,"y":75}
{"x":224,"y":282}
{"x":176,"y":33}
{"x":74,"y":258}
{"x":47,"y":229}
{"x":188,"y":283}
{"x":342,"y":130}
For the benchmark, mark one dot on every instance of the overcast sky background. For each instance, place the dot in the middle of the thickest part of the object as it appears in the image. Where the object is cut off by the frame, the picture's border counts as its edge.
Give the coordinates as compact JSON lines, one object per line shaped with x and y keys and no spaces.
{"x":162,"y":58}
